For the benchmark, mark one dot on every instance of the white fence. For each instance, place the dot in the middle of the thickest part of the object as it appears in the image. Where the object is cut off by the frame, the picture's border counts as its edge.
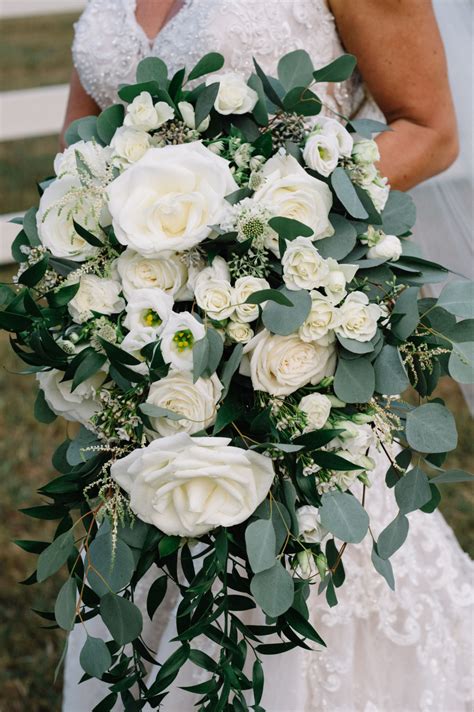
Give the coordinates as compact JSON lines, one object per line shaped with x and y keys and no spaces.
{"x":17,"y":119}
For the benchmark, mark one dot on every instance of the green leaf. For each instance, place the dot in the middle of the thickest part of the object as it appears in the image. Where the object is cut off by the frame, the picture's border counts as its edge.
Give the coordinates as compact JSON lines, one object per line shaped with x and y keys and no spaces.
{"x":412,"y":491}
{"x":284,"y":320}
{"x":216,"y":349}
{"x":451,"y":476}
{"x":200,"y":358}
{"x":211,"y":62}
{"x":122,"y":618}
{"x":332,"y":461}
{"x":265,"y":295}
{"x":392,"y":537}
{"x":460,"y":331}
{"x":65,"y":606}
{"x":345,"y":191}
{"x":260,"y":542}
{"x":77,"y":452}
{"x":152,"y":69}
{"x":356,"y":347}
{"x":461,"y":362}
{"x":62,"y":296}
{"x":354,"y":381}
{"x":116,"y":354}
{"x":86,"y":235}
{"x":289,"y":229}
{"x":130,"y":91}
{"x":34,"y":274}
{"x":399,"y":213}
{"x":156,"y":595}
{"x":273,"y":590}
{"x":267,"y":86}
{"x":344,"y":516}
{"x":111,"y":568}
{"x":42,"y":411}
{"x":367,"y":127}
{"x":30,"y":226}
{"x":431,"y":505}
{"x":260,"y":112}
{"x":229,"y":368}
{"x":154,"y":411}
{"x":407,"y":306}
{"x":384,"y":568}
{"x":302,"y":626}
{"x":205,"y":102}
{"x":302,"y":101}
{"x":14,"y":322}
{"x":337,"y":71}
{"x":342,"y":242}
{"x":95,"y":658}
{"x":390,"y":374}
{"x":109,"y":121}
{"x":257,"y":681}
{"x":57,"y":553}
{"x":431,"y":428}
{"x":295,"y":69}
{"x":84,"y":128}
{"x":89,"y":365}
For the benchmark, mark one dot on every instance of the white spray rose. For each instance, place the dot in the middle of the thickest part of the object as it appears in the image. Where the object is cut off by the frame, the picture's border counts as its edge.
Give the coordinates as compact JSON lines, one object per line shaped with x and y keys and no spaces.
{"x":78,"y":405}
{"x":196,"y":402}
{"x":243,"y":288}
{"x":143,"y":114}
{"x":322,"y":318}
{"x":303,"y":266}
{"x":378,"y":192}
{"x":331,"y":127}
{"x":169,"y":199}
{"x":365,"y":151}
{"x":130,"y":144}
{"x":321,"y":153}
{"x":134,"y":342}
{"x":214,"y":296}
{"x":358,"y":318}
{"x":187,"y":112}
{"x":291,"y":193}
{"x":234,"y":95}
{"x":95,"y":294}
{"x":309,"y":524}
{"x":148,"y":309}
{"x":178,"y":338}
{"x":240,"y":332}
{"x":389,"y":247}
{"x":355,"y":438}
{"x":279,"y":365}
{"x":339,"y":275}
{"x":317,"y":407}
{"x":187,"y":486}
{"x":167,"y":272}
{"x":59,"y":205}
{"x":89,"y":153}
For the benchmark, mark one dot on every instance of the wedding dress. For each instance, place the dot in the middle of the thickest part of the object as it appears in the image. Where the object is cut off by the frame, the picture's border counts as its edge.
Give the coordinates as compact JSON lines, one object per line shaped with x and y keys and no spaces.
{"x":386,"y":652}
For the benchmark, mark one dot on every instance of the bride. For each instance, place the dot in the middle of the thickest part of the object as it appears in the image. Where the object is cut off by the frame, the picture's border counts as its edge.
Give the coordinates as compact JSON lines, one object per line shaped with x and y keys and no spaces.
{"x":386,"y":652}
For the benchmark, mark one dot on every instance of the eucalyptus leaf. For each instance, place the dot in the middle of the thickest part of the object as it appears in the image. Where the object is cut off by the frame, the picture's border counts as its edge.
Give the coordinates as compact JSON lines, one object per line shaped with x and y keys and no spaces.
{"x":342,"y":242}
{"x":122,"y":618}
{"x":111,"y":567}
{"x":229,"y":368}
{"x":55,"y":555}
{"x":273,"y":590}
{"x":109,"y":121}
{"x":356,"y":347}
{"x":95,"y":658}
{"x":42,"y":411}
{"x":431,"y":428}
{"x":200,"y":358}
{"x":458,"y":299}
{"x":344,"y":516}
{"x":451,"y":476}
{"x":461,"y":362}
{"x":354,"y":381}
{"x":260,"y":542}
{"x":337,"y":71}
{"x":265,"y":295}
{"x":284,"y":320}
{"x":392,"y":537}
{"x":155,"y":411}
{"x":399,"y":213}
{"x":152,"y":69}
{"x":211,"y":62}
{"x":302,"y":101}
{"x":346,"y":193}
{"x":295,"y":69}
{"x":412,"y":490}
{"x":205,"y":102}
{"x":65,"y":605}
{"x":407,"y":306}
{"x":390,"y":375}
{"x":384,"y":568}
{"x":367,"y":127}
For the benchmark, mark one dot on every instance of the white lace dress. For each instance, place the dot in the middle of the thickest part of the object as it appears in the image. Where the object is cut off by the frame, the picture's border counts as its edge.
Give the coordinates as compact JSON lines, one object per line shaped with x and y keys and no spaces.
{"x":386,"y":652}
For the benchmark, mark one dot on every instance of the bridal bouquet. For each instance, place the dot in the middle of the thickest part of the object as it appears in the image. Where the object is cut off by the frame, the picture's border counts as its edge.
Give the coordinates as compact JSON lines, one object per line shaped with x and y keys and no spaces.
{"x":219,"y":287}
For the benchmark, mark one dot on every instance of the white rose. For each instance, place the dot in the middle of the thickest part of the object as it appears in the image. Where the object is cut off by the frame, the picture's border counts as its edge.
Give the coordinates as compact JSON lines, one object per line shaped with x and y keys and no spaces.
{"x":378,"y":192}
{"x":355,"y":438}
{"x":169,"y":199}
{"x":148,"y":308}
{"x":187,"y":112}
{"x":95,"y":294}
{"x":309,"y":524}
{"x":389,"y":247}
{"x":94,"y":156}
{"x":322,"y":318}
{"x":196,"y":402}
{"x":317,"y":407}
{"x":142,"y":114}
{"x":187,"y":486}
{"x":279,"y":365}
{"x":303,"y":266}
{"x":331,"y":127}
{"x":292,"y":193}
{"x":234,"y":95}
{"x":214,"y":296}
{"x":343,"y":479}
{"x":358,"y":318}
{"x":178,"y":338}
{"x":130,"y":144}
{"x":365,"y":151}
{"x":339,"y":275}
{"x":240,"y":332}
{"x":61,"y":203}
{"x":219,"y":269}
{"x":78,"y":405}
{"x":167,"y":272}
{"x":321,"y":153}
{"x":243,"y":288}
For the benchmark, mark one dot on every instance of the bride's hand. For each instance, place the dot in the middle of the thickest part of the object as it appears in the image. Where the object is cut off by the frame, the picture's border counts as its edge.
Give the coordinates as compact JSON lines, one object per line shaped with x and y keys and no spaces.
{"x":401,"y":57}
{"x":79,"y":104}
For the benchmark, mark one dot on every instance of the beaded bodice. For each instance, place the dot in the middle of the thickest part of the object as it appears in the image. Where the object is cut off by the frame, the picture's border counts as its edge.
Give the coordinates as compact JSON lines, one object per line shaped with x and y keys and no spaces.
{"x":109,"y":42}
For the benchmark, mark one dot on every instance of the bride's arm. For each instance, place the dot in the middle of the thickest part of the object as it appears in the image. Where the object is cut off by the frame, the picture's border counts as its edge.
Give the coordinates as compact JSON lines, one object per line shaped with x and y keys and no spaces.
{"x":401,"y":57}
{"x":79,"y":104}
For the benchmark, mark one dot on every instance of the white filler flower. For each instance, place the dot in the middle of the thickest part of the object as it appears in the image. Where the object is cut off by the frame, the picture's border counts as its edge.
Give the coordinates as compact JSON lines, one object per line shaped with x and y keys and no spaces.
{"x":187,"y":486}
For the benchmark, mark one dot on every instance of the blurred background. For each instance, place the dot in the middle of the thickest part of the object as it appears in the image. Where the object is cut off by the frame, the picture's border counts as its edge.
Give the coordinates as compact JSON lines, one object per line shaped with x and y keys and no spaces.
{"x":35,"y":41}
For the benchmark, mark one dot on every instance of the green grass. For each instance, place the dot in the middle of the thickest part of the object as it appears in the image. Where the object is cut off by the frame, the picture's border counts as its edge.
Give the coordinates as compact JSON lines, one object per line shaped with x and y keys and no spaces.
{"x":35,"y":51}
